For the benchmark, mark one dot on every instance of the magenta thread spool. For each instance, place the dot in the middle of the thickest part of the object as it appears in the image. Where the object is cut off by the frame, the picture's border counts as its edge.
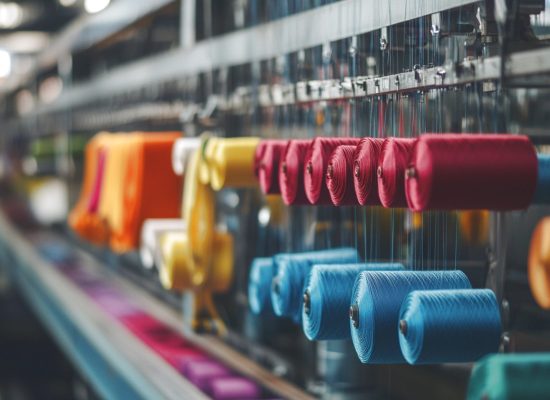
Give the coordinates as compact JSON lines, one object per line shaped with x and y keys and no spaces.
{"x":201,"y":372}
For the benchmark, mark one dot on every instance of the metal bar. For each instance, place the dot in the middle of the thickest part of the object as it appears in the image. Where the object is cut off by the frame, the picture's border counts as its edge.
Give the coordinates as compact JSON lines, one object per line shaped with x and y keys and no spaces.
{"x":187,"y":23}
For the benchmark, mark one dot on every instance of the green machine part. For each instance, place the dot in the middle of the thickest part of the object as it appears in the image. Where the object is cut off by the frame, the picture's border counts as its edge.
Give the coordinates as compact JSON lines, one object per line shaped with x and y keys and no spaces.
{"x":511,"y":376}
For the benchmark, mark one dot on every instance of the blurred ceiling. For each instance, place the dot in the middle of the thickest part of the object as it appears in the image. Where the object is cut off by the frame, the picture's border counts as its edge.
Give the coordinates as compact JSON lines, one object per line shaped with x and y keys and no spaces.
{"x":36,"y":15}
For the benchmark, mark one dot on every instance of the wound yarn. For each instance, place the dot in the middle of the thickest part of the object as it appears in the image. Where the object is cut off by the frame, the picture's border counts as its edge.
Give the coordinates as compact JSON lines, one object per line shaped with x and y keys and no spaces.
{"x":469,"y":171}
{"x":325,"y":314}
{"x":291,"y":271}
{"x":392,"y":165}
{"x":259,"y":284}
{"x":291,"y":172}
{"x":266,"y":164}
{"x":365,"y":169}
{"x":339,"y":176}
{"x":442,"y":326}
{"x":375,"y":303}
{"x":316,"y":164}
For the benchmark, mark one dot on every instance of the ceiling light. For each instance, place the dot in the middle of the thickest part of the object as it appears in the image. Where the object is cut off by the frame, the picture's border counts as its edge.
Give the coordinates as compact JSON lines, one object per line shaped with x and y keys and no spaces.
{"x":95,"y":6}
{"x":11,"y":15}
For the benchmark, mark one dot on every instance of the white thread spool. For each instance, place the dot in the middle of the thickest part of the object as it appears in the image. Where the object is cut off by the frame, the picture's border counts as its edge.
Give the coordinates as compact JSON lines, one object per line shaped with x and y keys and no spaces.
{"x":182,"y":150}
{"x":150,"y":232}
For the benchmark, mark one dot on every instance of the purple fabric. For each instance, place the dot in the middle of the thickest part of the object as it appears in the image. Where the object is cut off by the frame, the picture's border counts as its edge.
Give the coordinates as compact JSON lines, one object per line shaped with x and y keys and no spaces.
{"x":201,"y":372}
{"x":234,"y":388}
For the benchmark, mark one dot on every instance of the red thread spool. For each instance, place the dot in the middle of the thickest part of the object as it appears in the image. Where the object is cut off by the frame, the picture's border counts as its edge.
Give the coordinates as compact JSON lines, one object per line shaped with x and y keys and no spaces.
{"x":339,"y":176}
{"x":291,"y":172}
{"x":365,"y":177}
{"x":469,"y":171}
{"x":266,"y":164}
{"x":391,"y":171}
{"x":316,"y":164}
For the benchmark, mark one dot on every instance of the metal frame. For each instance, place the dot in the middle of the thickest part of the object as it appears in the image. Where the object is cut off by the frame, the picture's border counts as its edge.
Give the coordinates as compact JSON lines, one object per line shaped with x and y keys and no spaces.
{"x":296,"y":32}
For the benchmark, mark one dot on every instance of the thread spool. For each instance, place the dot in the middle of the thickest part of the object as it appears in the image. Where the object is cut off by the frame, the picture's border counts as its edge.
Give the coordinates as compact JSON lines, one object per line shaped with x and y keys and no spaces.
{"x":182,"y":150}
{"x":365,"y":171}
{"x":267,"y":160}
{"x":233,"y":163}
{"x":233,"y":388}
{"x":339,"y":176}
{"x":326,"y":298}
{"x":150,"y":232}
{"x":177,"y":270}
{"x":259,"y":284}
{"x":538,"y":266}
{"x":542,"y":193}
{"x":391,"y":171}
{"x":291,"y":271}
{"x":467,"y":171}
{"x":316,"y":164}
{"x":440,"y":326}
{"x":375,"y":303}
{"x":291,"y":172}
{"x":511,"y":376}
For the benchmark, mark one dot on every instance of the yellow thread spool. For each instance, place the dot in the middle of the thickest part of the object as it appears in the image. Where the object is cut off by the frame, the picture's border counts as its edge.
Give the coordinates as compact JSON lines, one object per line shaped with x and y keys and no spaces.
{"x":232,"y":162}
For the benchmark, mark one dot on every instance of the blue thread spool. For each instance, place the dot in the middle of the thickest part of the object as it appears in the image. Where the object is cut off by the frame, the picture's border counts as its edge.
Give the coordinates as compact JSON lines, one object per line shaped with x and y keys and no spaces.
{"x":449,"y":325}
{"x":291,"y":271}
{"x":542,"y":193}
{"x":375,"y":304}
{"x":326,"y":298}
{"x":259,"y":284}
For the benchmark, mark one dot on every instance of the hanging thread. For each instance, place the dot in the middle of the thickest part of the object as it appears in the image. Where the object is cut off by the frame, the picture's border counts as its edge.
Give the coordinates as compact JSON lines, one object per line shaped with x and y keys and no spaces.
{"x":291,"y":172}
{"x":467,"y":171}
{"x":542,"y":193}
{"x":365,"y":179}
{"x":440,"y":326}
{"x":291,"y":271}
{"x":259,"y":284}
{"x":339,"y":175}
{"x":316,"y":164}
{"x":391,"y":171}
{"x":266,"y":165}
{"x":327,"y":298}
{"x":375,"y":303}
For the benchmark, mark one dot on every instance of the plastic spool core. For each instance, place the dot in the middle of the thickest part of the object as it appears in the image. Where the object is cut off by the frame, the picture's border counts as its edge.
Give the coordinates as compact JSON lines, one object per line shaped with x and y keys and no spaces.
{"x":354,"y":315}
{"x":410,"y":173}
{"x":379,"y":172}
{"x":403,"y":327}
{"x":330,"y":171}
{"x":277,"y":285}
{"x":356,"y":170}
{"x":307,"y":302}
